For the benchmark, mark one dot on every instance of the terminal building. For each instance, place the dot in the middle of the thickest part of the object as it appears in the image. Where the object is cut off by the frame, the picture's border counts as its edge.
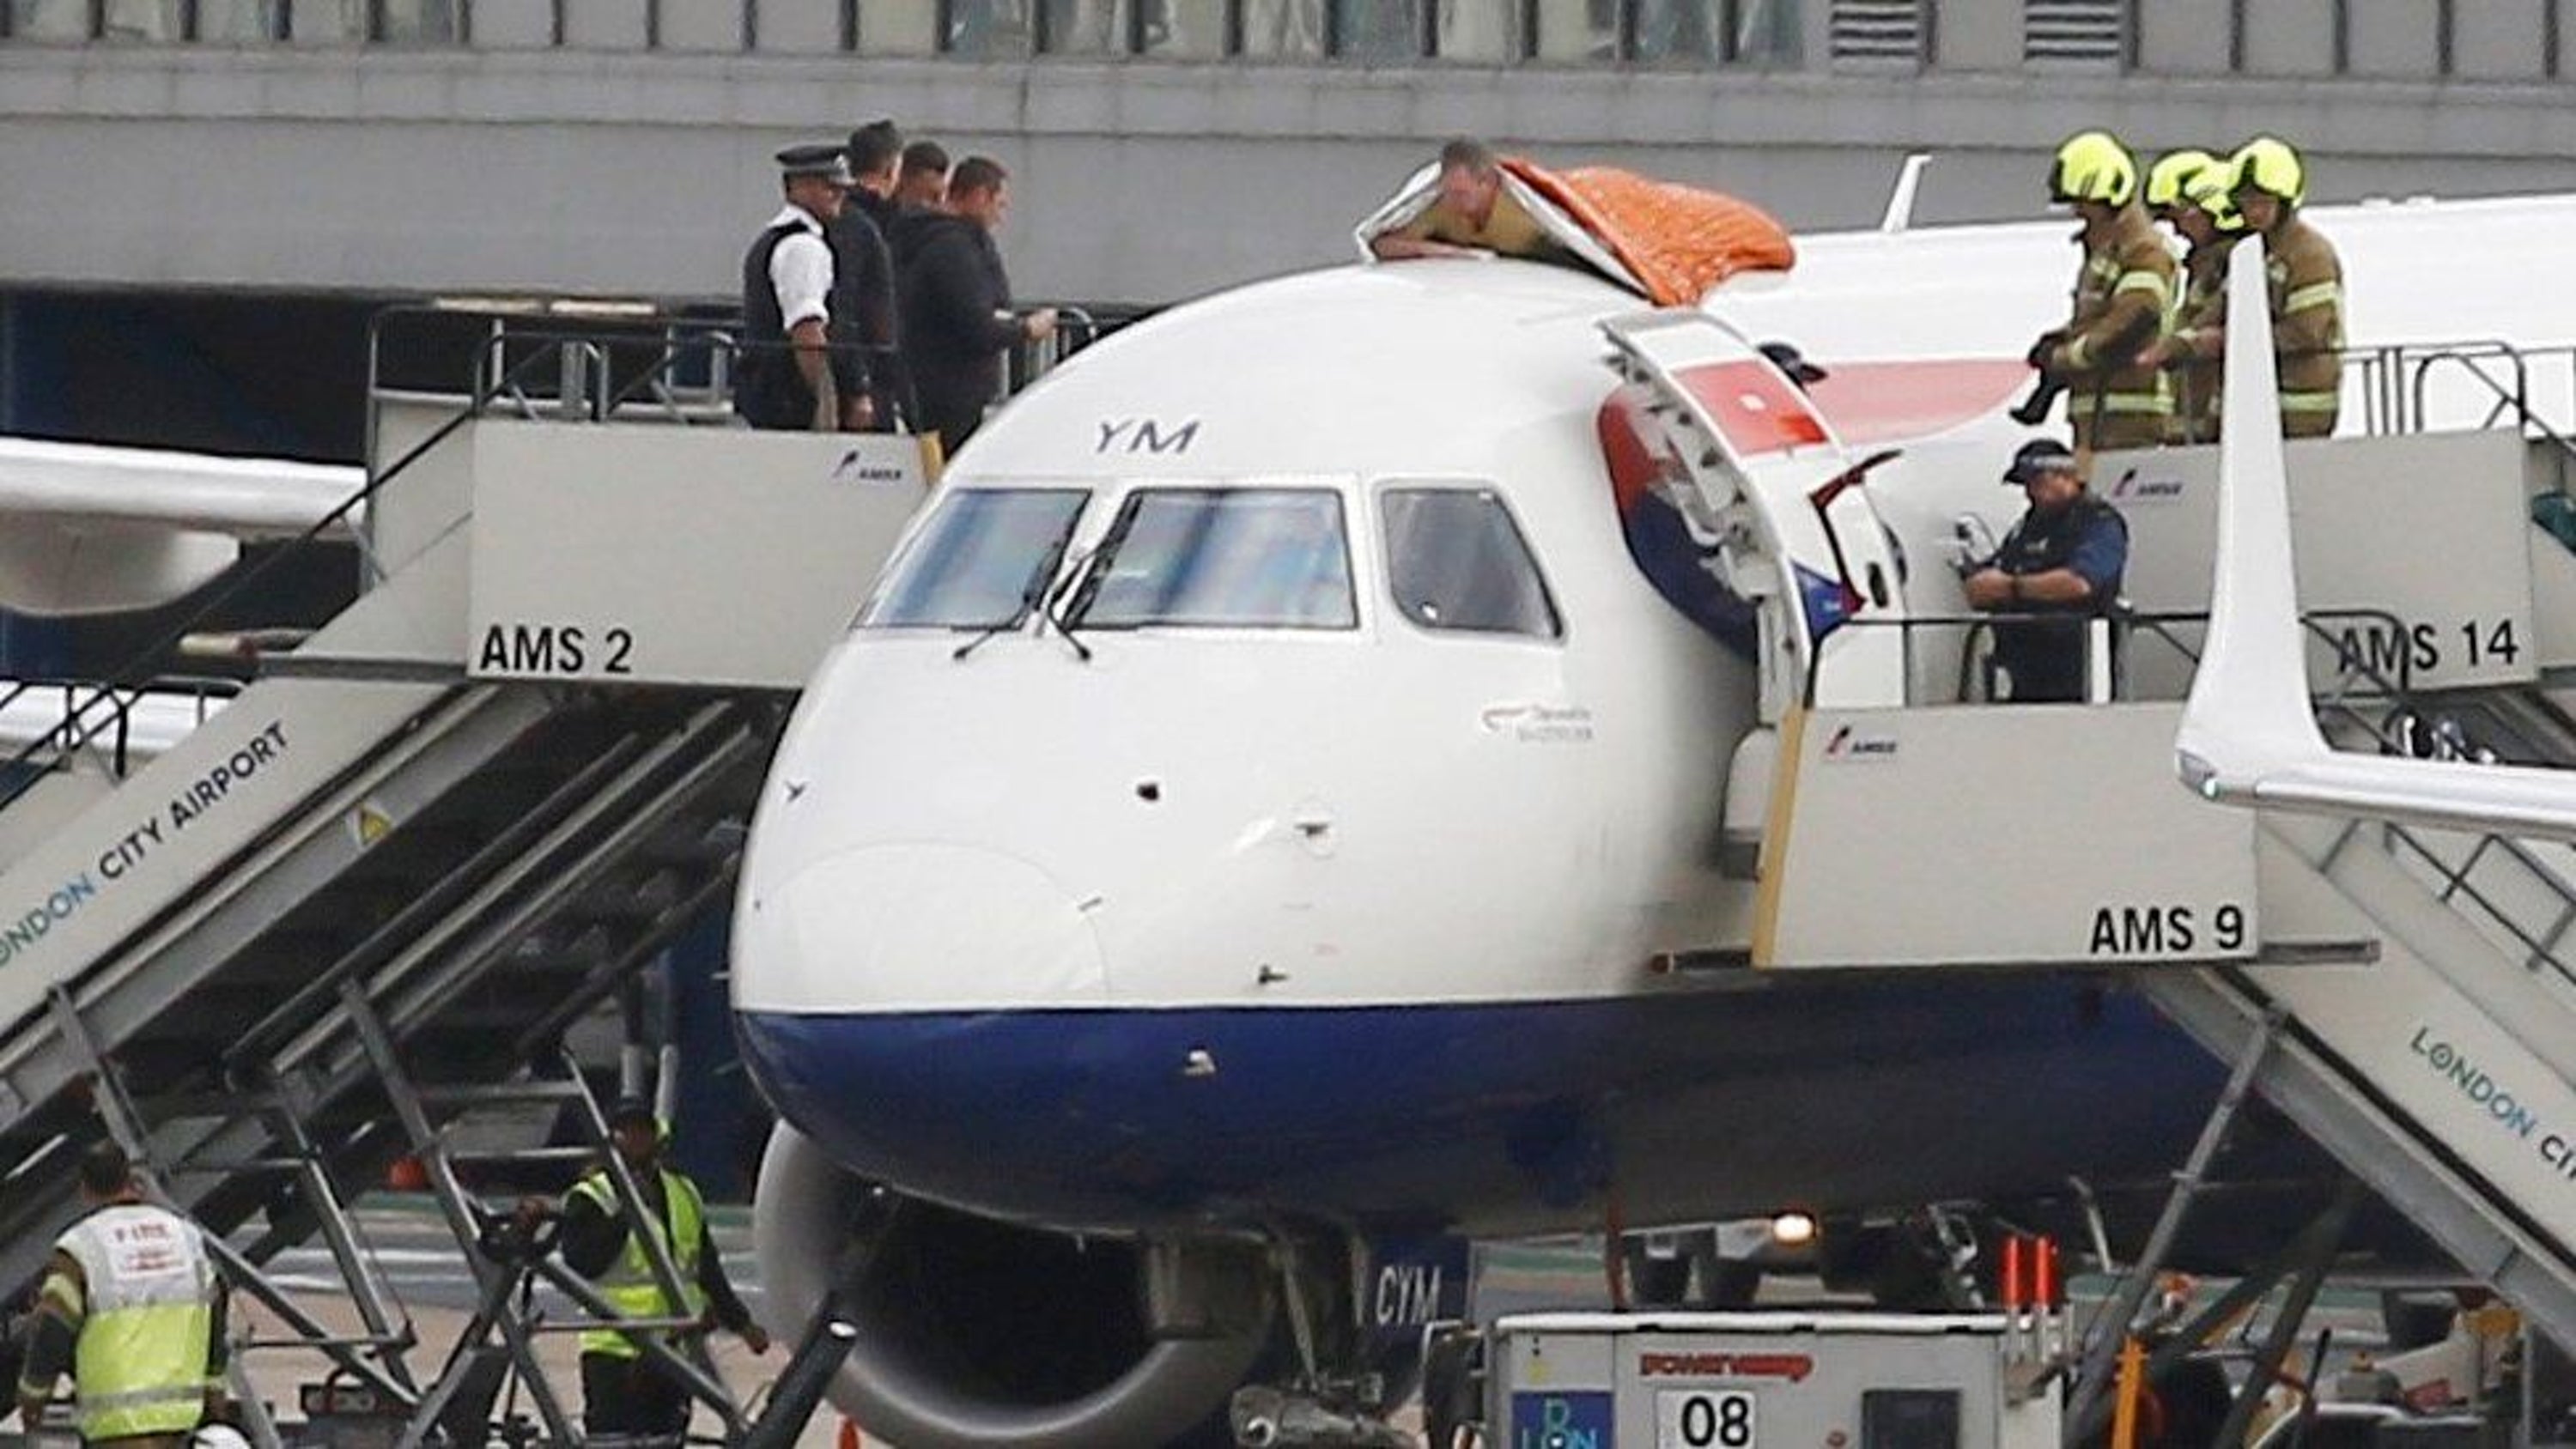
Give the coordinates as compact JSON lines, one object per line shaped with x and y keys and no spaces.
{"x":207,"y":195}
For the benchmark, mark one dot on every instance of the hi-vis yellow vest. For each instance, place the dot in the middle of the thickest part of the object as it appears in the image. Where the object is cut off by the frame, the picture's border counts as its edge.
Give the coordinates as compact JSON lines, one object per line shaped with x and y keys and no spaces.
{"x":147,"y":1325}
{"x":628,"y":1284}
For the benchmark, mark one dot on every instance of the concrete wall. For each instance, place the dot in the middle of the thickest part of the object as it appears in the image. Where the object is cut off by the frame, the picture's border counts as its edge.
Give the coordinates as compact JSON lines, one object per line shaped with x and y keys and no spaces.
{"x":577,"y":170}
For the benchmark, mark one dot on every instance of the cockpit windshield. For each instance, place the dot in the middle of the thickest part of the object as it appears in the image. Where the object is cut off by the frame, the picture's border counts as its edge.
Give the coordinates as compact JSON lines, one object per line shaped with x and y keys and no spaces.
{"x":979,"y":562}
{"x":1241,"y":558}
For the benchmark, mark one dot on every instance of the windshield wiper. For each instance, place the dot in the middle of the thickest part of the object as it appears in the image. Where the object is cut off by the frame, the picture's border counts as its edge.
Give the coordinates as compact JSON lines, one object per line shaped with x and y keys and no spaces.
{"x":1049,"y":613}
{"x":1041,"y":578}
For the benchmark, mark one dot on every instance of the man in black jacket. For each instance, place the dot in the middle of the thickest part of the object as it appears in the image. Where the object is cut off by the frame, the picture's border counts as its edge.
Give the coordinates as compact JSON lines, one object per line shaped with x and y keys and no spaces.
{"x":956,"y":304}
{"x":863,"y":312}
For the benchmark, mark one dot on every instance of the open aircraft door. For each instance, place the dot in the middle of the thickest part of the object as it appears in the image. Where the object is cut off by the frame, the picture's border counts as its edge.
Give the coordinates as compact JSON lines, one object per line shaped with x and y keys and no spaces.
{"x":1776,"y":502}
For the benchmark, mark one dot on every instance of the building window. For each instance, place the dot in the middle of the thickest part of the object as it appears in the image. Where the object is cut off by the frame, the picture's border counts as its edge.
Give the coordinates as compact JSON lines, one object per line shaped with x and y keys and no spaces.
{"x":418,"y":22}
{"x":992,"y":29}
{"x":1282,"y":29}
{"x":1379,"y":31}
{"x":1712,"y":32}
{"x":48,"y":19}
{"x":1881,"y":30}
{"x":2079,"y":32}
{"x":899,"y":27}
{"x":1576,"y":31}
{"x":239,"y":21}
{"x":1084,"y":27}
{"x":143,"y":21}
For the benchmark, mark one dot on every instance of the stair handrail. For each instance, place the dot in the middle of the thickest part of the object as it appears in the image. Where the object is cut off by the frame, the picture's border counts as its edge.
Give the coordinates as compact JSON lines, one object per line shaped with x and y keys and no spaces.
{"x":20,"y":771}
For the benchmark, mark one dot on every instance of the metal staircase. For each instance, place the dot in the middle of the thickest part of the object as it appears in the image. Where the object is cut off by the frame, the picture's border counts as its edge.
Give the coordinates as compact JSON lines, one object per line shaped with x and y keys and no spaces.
{"x":374,"y":892}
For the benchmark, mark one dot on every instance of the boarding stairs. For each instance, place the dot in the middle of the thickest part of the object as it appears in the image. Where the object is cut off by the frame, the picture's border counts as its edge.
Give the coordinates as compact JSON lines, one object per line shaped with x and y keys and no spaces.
{"x":2407,"y":996}
{"x":370,"y":896}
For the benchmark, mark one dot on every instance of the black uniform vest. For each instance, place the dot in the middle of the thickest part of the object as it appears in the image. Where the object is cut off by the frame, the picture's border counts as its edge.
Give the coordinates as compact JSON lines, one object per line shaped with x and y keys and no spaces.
{"x":768,"y":391}
{"x":2045,"y":657}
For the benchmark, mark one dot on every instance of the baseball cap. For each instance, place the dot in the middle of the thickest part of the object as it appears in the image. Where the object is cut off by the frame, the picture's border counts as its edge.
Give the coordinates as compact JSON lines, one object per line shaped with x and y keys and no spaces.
{"x":2038,"y":456}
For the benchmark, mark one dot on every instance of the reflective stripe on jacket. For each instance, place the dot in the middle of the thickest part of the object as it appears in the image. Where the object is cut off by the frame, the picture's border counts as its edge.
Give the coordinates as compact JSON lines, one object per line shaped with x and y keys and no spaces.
{"x":2124,"y":295}
{"x":2200,"y":329}
{"x":629,"y":1285}
{"x":2306,"y":280}
{"x":147,"y":1324}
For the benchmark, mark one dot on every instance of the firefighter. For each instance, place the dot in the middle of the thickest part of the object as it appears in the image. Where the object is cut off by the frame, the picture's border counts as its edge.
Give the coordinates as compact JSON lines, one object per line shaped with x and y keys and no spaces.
{"x":2188,"y":190}
{"x":2268,"y":185}
{"x":2123,"y":294}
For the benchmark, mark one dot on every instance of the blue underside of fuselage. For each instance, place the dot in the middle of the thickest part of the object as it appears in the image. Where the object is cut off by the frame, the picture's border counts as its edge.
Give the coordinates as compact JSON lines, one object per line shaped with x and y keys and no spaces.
{"x":1501,"y":1117}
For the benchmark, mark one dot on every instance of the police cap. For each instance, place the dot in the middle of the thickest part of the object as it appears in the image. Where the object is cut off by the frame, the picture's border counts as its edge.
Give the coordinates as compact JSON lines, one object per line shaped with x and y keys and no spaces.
{"x":633,"y":1112}
{"x":2038,"y":457}
{"x":824,"y":160}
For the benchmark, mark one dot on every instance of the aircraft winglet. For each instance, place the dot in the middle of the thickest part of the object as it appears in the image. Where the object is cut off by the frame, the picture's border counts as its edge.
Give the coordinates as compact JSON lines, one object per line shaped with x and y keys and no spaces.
{"x":1899,"y":215}
{"x":2249,"y":736}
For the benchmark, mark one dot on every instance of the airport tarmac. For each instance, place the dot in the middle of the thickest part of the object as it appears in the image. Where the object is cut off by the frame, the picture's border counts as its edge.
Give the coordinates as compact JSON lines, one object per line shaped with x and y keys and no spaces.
{"x":422,"y":1271}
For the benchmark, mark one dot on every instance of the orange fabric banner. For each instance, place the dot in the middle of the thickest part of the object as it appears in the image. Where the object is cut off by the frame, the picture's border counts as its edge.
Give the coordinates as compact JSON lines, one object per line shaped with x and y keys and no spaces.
{"x":1678,"y":240}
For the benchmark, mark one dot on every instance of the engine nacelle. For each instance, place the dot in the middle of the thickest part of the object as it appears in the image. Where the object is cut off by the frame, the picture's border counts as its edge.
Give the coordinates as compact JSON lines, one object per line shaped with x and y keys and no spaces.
{"x":976,"y":1334}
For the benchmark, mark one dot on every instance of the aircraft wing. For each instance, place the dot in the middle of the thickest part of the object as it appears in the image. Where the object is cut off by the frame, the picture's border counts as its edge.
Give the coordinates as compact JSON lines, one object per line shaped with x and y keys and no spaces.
{"x":86,"y":529}
{"x":2249,"y":734}
{"x":242,"y":497}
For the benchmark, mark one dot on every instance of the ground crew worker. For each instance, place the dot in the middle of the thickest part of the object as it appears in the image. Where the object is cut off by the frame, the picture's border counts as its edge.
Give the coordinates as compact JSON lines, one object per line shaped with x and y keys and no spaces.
{"x":2269,"y":186}
{"x":2065,"y":556}
{"x":2123,"y":294}
{"x":132,"y":1310}
{"x":622,"y":1390}
{"x":2188,"y":190}
{"x":786,"y":378}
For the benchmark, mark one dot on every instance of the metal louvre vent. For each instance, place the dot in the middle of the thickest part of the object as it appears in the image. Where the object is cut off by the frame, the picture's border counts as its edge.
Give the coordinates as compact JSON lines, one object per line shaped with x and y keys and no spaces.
{"x":1878,"y":30}
{"x":2087,"y":31}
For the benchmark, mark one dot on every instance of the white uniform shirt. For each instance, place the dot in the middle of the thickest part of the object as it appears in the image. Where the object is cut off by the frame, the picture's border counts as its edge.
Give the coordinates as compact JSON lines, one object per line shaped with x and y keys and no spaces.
{"x":800,"y":269}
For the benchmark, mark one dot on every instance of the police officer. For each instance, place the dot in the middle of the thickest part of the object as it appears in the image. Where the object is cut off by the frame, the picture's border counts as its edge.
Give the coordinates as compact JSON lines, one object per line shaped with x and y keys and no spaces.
{"x":786,"y":378}
{"x":132,"y":1310}
{"x":2065,"y":556}
{"x":622,"y":1391}
{"x":2123,"y":292}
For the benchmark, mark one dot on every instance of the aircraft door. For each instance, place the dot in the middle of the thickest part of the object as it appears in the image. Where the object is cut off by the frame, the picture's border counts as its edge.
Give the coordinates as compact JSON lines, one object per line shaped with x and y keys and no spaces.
{"x":1778,"y":506}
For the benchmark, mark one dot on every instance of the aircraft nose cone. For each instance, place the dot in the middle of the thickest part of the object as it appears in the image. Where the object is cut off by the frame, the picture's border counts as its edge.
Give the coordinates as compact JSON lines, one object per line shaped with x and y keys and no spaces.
{"x":917,"y":927}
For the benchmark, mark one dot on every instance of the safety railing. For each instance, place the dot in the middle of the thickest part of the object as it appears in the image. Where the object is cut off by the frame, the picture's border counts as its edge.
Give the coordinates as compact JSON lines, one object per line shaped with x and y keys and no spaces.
{"x":2366,"y":709}
{"x":2121,"y":632}
{"x":2508,"y":383}
{"x":1075,"y":329}
{"x":97,"y":709}
{"x":80,"y":724}
{"x":561,"y":363}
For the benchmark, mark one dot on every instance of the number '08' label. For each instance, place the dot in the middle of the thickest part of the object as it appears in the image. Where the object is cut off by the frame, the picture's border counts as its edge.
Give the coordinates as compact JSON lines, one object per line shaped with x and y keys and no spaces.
{"x":1704,"y":1419}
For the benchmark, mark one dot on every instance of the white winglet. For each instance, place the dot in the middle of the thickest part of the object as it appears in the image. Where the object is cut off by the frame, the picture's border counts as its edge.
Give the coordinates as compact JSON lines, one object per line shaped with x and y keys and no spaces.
{"x":1899,"y":215}
{"x":2249,"y":735}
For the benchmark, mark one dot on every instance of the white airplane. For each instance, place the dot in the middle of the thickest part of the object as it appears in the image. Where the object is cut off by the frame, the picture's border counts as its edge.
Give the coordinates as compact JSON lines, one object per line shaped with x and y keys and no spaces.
{"x":1253,"y":814}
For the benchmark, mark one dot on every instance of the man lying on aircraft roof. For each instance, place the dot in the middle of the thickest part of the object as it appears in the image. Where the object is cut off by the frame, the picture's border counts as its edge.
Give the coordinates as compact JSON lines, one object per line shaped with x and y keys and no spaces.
{"x":1474,"y":213}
